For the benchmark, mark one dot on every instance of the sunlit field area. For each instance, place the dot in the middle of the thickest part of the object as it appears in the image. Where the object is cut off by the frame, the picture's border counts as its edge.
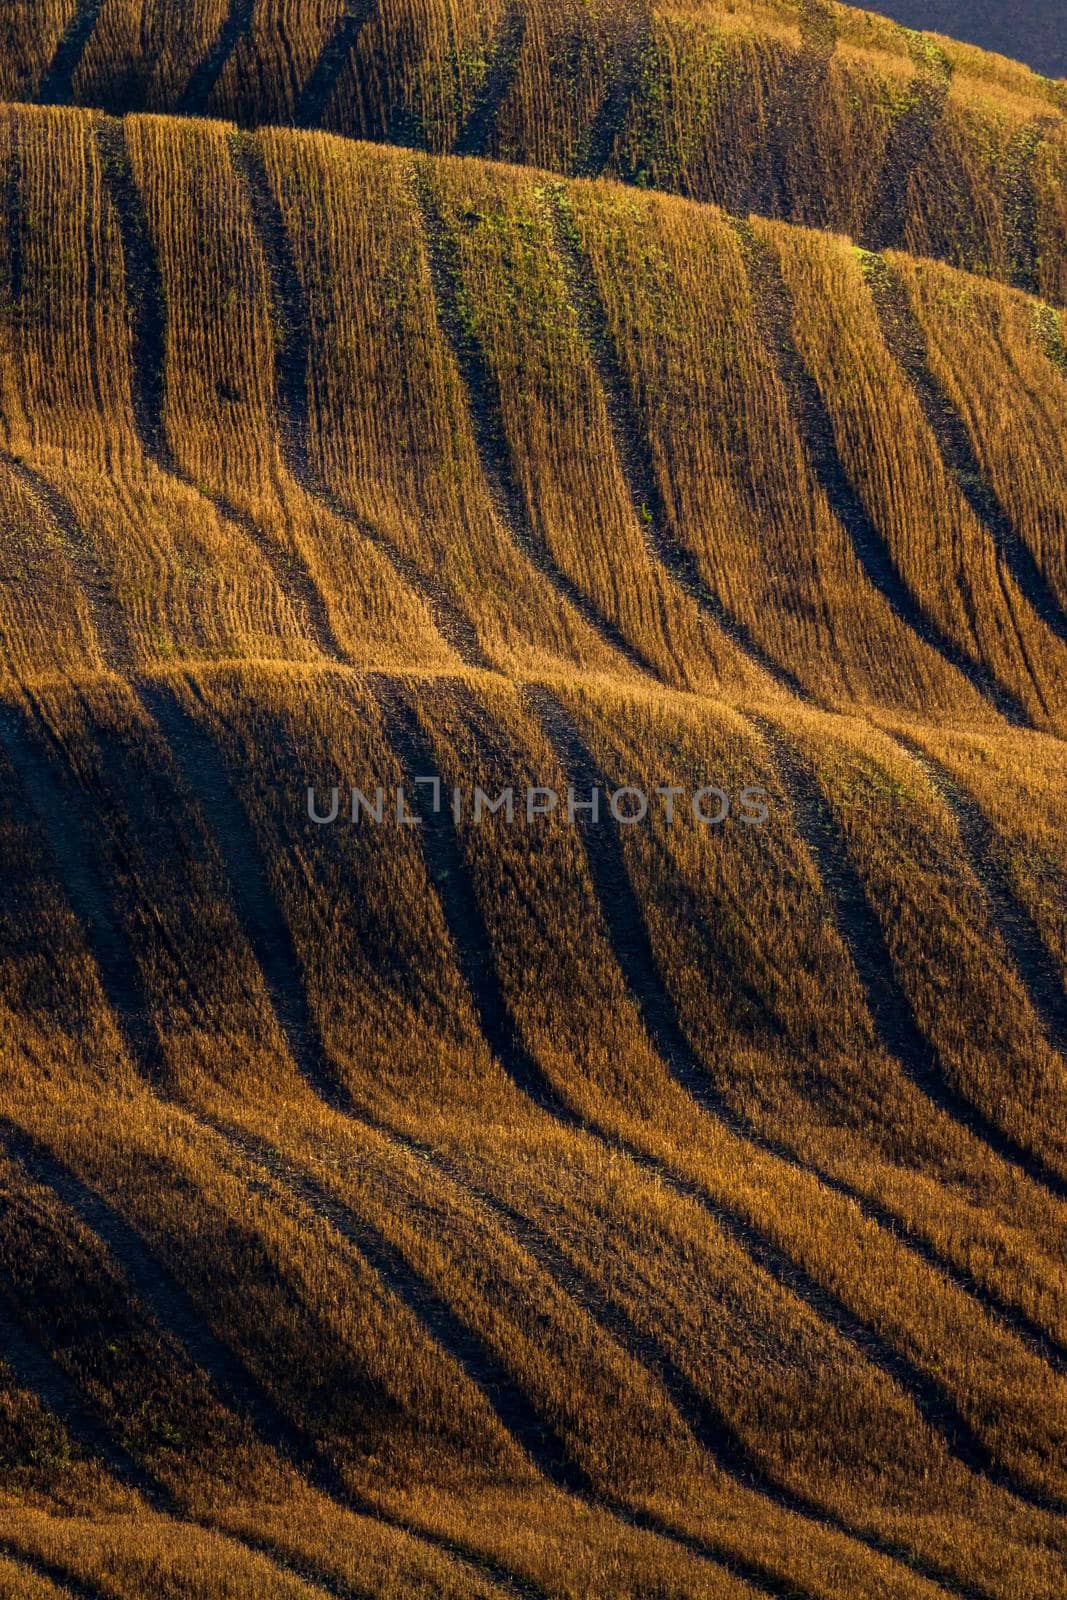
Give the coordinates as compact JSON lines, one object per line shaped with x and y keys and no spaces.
{"x":533,"y":804}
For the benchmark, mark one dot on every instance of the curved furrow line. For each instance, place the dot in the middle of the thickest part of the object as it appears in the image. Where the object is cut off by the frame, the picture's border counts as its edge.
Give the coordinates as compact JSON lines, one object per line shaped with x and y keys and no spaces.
{"x":36,"y":1370}
{"x":64,"y":1582}
{"x":624,"y":918}
{"x":105,"y":613}
{"x":477,"y":131}
{"x":292,"y":364}
{"x":472,"y":1352}
{"x":39,"y":1371}
{"x":674,"y":1045}
{"x":625,"y":83}
{"x":315,"y":96}
{"x":169,"y":1303}
{"x":909,"y":140}
{"x":860,"y":929}
{"x":1022,"y":208}
{"x":251,"y":896}
{"x":146,"y":298}
{"x":471,"y":943}
{"x":175,"y":1311}
{"x":708,"y":1424}
{"x":773,"y":311}
{"x":635,"y":460}
{"x":203,"y":774}
{"x":84,"y":884}
{"x":487,"y":426}
{"x":57,"y":84}
{"x":1036,"y":967}
{"x":193,"y":100}
{"x":906,"y":341}
{"x":804,"y":86}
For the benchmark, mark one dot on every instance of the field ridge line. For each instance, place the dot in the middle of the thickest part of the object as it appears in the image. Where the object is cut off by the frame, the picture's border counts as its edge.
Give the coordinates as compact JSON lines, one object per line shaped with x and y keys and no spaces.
{"x":57,"y":85}
{"x":773,"y":309}
{"x":860,"y":928}
{"x":906,"y":341}
{"x":317,"y":91}
{"x":474,"y":136}
{"x":483,"y":410}
{"x":292,"y":361}
{"x":146,"y":299}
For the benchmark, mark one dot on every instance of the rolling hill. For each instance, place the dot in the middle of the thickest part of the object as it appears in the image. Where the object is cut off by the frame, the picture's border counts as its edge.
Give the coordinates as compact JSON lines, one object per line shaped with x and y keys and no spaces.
{"x":472,"y":1206}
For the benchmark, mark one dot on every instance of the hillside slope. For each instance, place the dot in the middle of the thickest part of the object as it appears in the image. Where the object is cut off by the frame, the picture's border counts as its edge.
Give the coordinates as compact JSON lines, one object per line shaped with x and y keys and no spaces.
{"x":799,"y":109}
{"x":549,"y":1207}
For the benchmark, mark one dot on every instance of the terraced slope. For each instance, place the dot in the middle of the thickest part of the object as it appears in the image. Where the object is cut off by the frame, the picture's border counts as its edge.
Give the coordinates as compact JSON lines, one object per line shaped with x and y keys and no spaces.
{"x":799,"y":109}
{"x":551,"y":1207}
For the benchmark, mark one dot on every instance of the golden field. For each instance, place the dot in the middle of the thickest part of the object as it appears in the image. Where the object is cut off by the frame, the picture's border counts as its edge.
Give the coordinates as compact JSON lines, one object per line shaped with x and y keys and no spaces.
{"x":554,"y":1207}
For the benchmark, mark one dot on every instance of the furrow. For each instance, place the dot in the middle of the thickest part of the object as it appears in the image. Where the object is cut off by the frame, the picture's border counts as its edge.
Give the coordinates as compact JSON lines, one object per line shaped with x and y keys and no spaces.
{"x":470,"y":1351}
{"x":292,"y":365}
{"x":85,"y":886}
{"x":908,"y":142}
{"x":36,"y":1371}
{"x":160,"y":1292}
{"x":109,"y":623}
{"x":1024,"y":259}
{"x":709,"y":1426}
{"x":477,"y":131}
{"x":1034,"y":964}
{"x":64,"y":1582}
{"x":472,"y":946}
{"x":57,"y":84}
{"x":860,"y":929}
{"x":203,"y":774}
{"x":193,"y":101}
{"x":773,"y":310}
{"x":317,"y":91}
{"x":624,"y":86}
{"x":175,"y":1312}
{"x":906,"y":342}
{"x":148,"y":318}
{"x":635,"y":460}
{"x":484,"y":413}
{"x":624,"y":918}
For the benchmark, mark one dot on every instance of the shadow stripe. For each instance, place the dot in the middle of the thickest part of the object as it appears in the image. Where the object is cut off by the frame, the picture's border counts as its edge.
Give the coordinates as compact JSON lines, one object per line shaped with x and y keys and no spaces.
{"x":859,"y":925}
{"x":906,"y":341}
{"x":292,"y":368}
{"x":193,"y":100}
{"x":205,"y":776}
{"x":57,"y":84}
{"x":634,"y":455}
{"x":908,"y":143}
{"x":773,"y":310}
{"x":146,"y":297}
{"x":706,"y":1422}
{"x":317,"y":91}
{"x":1035,"y":965}
{"x":624,"y":918}
{"x":66,"y":1583}
{"x":484,"y":413}
{"x":476,"y":133}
